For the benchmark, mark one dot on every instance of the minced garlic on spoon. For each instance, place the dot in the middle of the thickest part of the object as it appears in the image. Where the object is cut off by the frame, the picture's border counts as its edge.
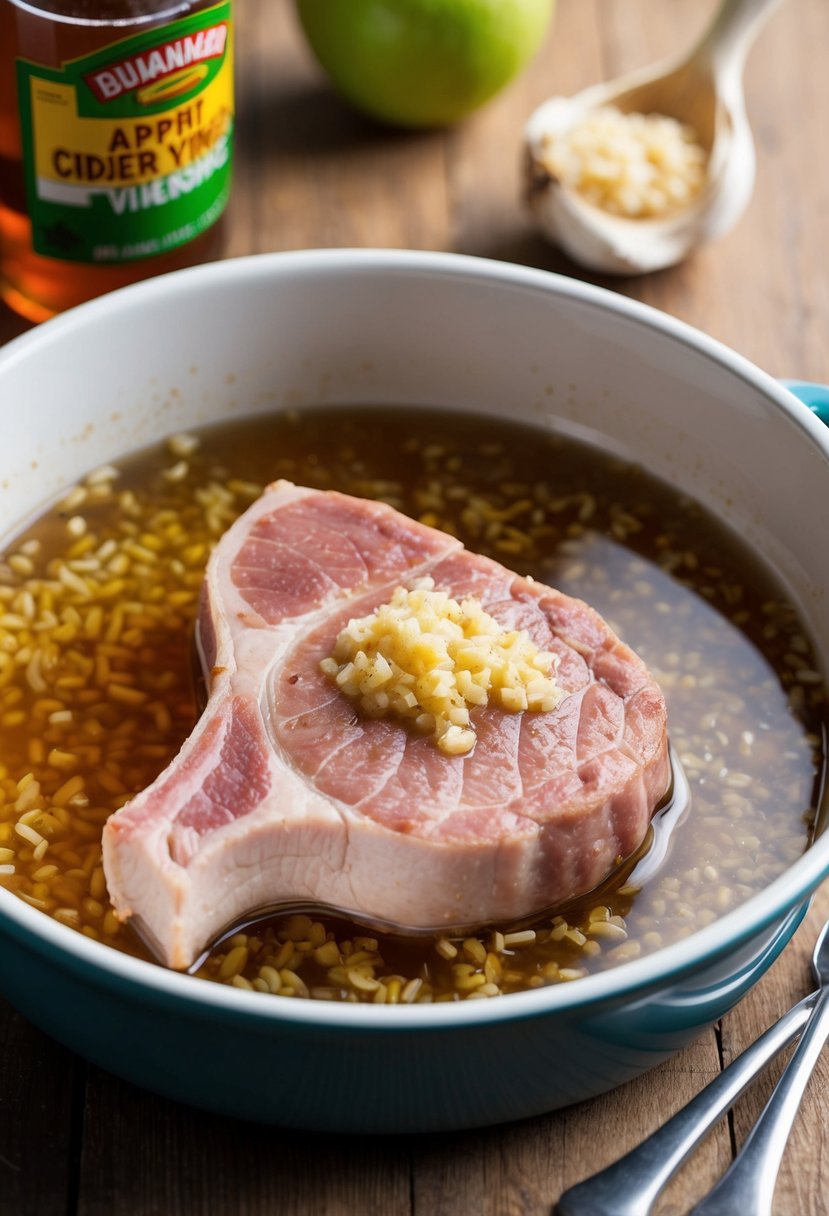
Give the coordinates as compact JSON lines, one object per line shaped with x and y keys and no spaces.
{"x":641,"y":166}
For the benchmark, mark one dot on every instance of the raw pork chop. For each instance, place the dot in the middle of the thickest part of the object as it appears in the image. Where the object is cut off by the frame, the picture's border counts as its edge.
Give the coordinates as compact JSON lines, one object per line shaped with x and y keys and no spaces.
{"x":282,"y":793}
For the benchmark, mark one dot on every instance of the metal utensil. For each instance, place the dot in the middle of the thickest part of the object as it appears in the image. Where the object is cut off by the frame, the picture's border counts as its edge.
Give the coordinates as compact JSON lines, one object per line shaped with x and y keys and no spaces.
{"x":748,"y":1185}
{"x":632,"y":1184}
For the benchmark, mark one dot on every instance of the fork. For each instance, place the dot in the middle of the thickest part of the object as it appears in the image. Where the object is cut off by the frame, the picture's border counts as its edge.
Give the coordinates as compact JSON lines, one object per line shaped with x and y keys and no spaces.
{"x":632,"y":1184}
{"x":748,"y":1185}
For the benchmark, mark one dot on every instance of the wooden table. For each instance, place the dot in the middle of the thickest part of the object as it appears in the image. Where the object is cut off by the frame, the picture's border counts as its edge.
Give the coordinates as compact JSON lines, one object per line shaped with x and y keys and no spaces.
{"x":311,"y":173}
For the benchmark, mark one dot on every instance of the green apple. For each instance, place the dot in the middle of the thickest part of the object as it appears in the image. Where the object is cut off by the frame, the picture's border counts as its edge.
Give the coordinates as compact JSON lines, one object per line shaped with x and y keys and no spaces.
{"x":422,"y":63}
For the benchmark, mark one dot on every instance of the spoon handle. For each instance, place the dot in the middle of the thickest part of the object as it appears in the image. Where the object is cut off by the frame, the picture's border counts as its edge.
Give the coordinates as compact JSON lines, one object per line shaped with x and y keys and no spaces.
{"x":748,"y":1186}
{"x":631,"y":1185}
{"x":736,"y":24}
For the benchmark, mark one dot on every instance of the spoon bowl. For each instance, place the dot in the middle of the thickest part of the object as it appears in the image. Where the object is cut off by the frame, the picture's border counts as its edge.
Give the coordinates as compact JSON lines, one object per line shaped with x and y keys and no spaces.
{"x":703,"y":91}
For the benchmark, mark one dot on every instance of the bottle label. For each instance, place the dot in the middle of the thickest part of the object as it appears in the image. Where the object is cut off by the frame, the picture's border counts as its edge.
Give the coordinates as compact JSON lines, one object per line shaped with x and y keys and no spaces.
{"x":128,"y":151}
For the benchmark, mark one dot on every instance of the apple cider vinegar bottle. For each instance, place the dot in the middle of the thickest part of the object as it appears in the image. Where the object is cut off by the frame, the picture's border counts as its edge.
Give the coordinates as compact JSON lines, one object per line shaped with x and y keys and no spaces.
{"x":116,"y":130}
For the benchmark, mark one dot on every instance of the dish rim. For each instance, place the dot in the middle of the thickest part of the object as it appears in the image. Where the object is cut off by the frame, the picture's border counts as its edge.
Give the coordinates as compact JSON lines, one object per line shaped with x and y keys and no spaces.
{"x":691,"y":954}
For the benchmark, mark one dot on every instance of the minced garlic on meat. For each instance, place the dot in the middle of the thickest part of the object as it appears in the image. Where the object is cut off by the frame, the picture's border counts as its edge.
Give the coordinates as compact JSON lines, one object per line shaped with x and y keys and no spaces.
{"x":635,"y":165}
{"x":426,"y":657}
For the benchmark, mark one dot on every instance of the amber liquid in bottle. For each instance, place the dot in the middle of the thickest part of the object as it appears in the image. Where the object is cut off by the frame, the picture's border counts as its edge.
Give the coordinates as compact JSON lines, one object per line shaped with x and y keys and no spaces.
{"x":50,"y":32}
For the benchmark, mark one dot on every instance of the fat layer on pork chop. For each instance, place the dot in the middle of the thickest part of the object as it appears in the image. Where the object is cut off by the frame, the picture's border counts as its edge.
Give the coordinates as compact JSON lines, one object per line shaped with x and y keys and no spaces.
{"x":284,"y":793}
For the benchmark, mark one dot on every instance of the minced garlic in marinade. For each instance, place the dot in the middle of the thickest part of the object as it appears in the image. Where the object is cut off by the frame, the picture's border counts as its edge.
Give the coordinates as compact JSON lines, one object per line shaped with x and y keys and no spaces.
{"x":427,"y":658}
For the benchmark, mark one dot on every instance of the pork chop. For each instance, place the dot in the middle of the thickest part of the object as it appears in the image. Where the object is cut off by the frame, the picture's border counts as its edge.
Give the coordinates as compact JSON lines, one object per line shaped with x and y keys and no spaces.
{"x":284,"y":793}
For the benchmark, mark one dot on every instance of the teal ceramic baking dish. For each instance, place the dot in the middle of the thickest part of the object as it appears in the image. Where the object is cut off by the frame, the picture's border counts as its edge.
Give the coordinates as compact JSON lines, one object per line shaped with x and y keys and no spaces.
{"x":400,"y":328}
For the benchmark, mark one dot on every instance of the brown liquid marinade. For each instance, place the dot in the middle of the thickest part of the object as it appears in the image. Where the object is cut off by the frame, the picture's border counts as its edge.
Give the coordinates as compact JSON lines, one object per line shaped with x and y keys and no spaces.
{"x":97,"y":601}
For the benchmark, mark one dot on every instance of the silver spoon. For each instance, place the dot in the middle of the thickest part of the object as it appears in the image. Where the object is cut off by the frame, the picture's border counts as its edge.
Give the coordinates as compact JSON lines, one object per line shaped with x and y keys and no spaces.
{"x":631,"y":1186}
{"x":703,"y":90}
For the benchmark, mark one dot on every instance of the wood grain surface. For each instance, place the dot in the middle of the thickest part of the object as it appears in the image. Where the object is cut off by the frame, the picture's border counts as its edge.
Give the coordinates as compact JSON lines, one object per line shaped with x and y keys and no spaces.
{"x":312,"y":173}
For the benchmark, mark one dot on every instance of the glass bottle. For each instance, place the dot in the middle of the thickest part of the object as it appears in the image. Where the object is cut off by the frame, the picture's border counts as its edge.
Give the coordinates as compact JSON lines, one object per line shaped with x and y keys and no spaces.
{"x":116,"y":128}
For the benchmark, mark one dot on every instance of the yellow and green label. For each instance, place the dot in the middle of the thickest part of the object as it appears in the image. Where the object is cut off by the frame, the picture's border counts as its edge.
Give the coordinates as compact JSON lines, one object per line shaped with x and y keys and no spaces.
{"x":128,"y":151}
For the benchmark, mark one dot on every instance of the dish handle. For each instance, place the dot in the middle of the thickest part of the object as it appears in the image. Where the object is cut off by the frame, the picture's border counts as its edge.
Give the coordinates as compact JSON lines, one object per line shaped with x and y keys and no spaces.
{"x":816,"y":396}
